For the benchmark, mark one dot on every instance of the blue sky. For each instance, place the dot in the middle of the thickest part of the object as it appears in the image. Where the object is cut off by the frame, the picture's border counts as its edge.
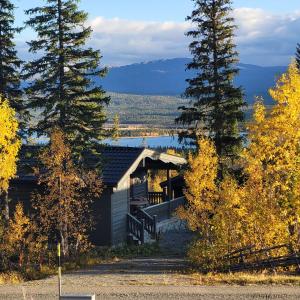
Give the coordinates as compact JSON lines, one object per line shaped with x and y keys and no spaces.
{"x":175,"y":10}
{"x":129,"y":31}
{"x":276,"y":6}
{"x":160,"y":10}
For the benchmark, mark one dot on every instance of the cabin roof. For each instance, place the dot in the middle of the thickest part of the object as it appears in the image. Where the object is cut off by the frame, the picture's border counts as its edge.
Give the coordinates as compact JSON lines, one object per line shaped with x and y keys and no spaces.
{"x":116,"y":162}
{"x":119,"y":162}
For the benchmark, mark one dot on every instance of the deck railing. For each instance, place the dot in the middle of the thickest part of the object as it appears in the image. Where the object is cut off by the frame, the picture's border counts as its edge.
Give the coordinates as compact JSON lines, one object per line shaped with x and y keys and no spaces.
{"x":166,"y":209}
{"x":147,"y":218}
{"x":156,"y":198}
{"x":149,"y":222}
{"x":136,"y":228}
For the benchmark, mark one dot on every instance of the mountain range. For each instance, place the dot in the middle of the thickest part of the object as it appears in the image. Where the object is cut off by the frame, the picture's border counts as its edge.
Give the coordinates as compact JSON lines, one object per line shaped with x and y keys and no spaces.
{"x":167,"y":78}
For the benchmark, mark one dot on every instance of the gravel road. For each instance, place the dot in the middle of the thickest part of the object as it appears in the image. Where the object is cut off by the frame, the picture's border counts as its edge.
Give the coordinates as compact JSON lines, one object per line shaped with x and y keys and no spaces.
{"x":149,"y":279}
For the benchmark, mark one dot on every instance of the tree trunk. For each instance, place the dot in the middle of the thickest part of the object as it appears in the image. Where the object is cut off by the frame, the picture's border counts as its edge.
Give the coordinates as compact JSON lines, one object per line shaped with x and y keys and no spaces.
{"x":64,"y":243}
{"x":5,"y":207}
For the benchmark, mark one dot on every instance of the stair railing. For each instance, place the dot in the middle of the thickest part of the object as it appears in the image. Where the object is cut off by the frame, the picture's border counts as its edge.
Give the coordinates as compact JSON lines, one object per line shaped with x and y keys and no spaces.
{"x":136,"y":228}
{"x":150,"y":222}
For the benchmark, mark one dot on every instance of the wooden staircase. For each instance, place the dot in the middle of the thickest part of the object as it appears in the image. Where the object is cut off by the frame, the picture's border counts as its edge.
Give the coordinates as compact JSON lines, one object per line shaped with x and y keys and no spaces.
{"x":137,"y":226}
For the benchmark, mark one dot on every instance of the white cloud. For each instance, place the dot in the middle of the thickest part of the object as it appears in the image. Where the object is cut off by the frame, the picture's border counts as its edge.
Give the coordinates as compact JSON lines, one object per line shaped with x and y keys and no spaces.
{"x":123,"y":41}
{"x":262,"y":38}
{"x":266,"y":39}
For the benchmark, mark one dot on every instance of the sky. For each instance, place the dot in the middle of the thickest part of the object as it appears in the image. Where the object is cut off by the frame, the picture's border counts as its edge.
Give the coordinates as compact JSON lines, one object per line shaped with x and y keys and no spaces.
{"x":132,"y":31}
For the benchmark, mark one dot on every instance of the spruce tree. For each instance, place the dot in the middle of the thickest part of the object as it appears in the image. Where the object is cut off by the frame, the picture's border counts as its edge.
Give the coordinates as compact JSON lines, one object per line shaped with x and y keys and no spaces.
{"x":216,"y":104}
{"x":9,"y":62}
{"x":63,"y":90}
{"x":298,"y":56}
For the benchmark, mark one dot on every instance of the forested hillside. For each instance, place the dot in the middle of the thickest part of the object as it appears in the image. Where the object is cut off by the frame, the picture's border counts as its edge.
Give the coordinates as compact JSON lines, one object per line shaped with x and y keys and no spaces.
{"x":158,"y":111}
{"x":167,"y":77}
{"x":145,"y":110}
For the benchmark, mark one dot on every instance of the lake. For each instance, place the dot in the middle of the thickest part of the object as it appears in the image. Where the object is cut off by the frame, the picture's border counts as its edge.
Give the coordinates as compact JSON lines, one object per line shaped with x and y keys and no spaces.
{"x":150,"y":142}
{"x":156,"y":142}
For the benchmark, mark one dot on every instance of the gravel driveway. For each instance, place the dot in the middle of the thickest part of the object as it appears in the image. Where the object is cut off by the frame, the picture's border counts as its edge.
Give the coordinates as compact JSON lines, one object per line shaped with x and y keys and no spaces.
{"x":157,"y":278}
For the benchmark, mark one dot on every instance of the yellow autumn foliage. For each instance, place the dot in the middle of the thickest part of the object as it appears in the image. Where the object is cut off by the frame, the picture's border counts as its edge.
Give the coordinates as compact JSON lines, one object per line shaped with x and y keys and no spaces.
{"x":18,"y":227}
{"x":272,"y":163}
{"x":23,"y":241}
{"x":9,"y":144}
{"x":16,"y":238}
{"x":201,"y":182}
{"x":214,"y":211}
{"x":261,"y":210}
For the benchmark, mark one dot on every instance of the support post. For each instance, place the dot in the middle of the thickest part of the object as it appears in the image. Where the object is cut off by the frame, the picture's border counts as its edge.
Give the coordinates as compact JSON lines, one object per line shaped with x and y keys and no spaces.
{"x":165,"y":194}
{"x":143,"y":231}
{"x":169,"y":190}
{"x":127,"y":224}
{"x":59,"y":270}
{"x":155,"y":226}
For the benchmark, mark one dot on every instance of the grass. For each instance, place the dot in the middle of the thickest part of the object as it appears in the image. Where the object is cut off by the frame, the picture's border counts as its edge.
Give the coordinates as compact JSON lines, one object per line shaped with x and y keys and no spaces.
{"x":189,"y":277}
{"x":130,"y":251}
{"x":11,"y":278}
{"x":96,"y":256}
{"x":107,"y":254}
{"x":245,"y":278}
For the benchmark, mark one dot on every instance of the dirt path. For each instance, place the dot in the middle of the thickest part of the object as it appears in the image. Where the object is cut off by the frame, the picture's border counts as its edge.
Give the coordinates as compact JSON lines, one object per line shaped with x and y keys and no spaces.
{"x":157,"y":278}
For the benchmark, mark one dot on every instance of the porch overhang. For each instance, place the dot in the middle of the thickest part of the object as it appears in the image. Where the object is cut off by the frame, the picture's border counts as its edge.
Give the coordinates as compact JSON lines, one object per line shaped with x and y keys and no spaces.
{"x":154,"y":160}
{"x":162,"y":161}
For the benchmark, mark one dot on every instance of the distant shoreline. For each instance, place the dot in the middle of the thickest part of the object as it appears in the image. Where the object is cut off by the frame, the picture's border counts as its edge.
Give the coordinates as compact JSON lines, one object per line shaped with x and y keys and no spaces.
{"x":144,"y":136}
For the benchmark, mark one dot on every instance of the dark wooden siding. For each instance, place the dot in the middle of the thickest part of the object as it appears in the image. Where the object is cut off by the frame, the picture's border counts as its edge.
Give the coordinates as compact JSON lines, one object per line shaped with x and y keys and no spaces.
{"x":119,"y":210}
{"x":139,"y":184}
{"x":101,"y":235}
{"x":21,"y":191}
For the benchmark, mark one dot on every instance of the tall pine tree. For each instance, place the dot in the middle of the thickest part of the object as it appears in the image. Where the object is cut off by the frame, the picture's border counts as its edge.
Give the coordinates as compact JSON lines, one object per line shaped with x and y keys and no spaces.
{"x":298,"y":56}
{"x":216,"y":104}
{"x":63,"y":89}
{"x":9,"y":62}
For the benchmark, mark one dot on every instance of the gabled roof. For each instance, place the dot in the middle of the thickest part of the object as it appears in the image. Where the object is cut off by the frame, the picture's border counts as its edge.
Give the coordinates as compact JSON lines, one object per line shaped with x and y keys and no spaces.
{"x":119,"y":162}
{"x":116,"y":162}
{"x":148,"y":158}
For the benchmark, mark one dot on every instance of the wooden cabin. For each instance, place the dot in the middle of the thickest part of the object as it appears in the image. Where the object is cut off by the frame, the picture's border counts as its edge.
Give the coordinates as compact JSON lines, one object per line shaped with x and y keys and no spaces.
{"x":125,"y":177}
